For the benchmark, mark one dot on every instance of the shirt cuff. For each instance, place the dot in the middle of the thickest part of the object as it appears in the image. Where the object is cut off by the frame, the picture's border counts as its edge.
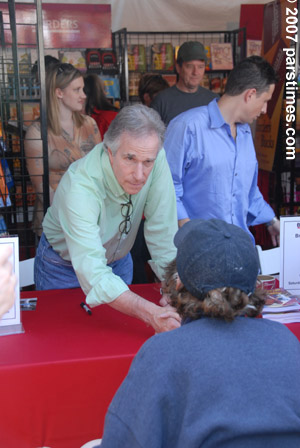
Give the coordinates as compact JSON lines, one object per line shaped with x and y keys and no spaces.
{"x":106,"y":291}
{"x":181,"y":211}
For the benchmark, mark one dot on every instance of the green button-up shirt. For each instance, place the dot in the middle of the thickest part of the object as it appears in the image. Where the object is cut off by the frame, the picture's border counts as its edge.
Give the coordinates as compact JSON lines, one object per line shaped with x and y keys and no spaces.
{"x":82,"y":224}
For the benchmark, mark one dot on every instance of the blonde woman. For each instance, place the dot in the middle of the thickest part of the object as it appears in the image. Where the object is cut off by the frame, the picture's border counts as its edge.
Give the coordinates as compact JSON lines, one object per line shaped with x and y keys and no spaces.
{"x":71,"y":135}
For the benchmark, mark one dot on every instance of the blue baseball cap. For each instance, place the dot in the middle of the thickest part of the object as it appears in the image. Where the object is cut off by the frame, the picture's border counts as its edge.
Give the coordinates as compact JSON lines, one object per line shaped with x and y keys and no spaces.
{"x":214,"y":254}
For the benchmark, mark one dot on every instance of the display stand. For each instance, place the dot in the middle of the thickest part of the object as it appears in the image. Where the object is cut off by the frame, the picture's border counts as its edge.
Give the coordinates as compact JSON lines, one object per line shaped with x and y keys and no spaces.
{"x":20,"y":104}
{"x":133,"y":47}
{"x":11,"y":321}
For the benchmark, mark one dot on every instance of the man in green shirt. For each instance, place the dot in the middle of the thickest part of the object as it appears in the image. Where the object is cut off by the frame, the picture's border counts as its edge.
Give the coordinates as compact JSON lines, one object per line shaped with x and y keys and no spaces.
{"x":92,"y":223}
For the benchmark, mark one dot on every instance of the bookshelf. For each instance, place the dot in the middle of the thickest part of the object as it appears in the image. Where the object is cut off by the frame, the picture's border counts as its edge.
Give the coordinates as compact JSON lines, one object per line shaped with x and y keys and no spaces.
{"x":133,"y":46}
{"x":19,"y":95}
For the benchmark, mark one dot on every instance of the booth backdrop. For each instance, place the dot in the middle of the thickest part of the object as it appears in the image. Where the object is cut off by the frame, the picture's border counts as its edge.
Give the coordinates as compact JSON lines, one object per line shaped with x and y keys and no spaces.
{"x":171,"y":15}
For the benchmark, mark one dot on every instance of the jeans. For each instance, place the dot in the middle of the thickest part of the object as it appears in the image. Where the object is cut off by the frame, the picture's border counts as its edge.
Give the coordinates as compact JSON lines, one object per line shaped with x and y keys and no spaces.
{"x":53,"y":272}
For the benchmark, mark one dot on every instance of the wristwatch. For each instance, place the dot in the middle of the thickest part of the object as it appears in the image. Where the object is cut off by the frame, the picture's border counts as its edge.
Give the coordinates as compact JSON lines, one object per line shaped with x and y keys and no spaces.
{"x":273,"y":220}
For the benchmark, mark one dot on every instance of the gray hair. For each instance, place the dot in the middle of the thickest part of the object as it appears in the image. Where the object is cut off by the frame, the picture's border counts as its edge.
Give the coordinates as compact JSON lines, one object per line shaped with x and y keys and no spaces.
{"x":137,"y":121}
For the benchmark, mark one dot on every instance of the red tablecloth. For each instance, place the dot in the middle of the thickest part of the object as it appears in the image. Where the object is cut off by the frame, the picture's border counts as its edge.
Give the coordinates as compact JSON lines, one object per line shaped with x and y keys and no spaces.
{"x":295,"y":328}
{"x":58,"y":378}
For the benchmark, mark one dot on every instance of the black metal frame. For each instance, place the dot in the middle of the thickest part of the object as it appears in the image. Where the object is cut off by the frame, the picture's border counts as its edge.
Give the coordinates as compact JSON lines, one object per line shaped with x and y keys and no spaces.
{"x":122,"y":38}
{"x":17,"y":218}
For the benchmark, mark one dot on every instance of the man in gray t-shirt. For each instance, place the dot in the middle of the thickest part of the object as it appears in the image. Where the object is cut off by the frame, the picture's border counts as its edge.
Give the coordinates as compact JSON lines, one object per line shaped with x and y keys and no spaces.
{"x":187,"y":93}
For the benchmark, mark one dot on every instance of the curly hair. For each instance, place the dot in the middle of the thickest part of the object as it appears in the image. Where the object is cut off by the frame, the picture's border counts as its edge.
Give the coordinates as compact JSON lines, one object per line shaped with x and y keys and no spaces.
{"x":225,"y":303}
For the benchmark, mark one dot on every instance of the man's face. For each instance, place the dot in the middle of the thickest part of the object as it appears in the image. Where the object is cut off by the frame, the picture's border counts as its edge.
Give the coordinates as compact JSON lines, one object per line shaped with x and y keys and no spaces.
{"x":190,"y":75}
{"x":134,"y":161}
{"x":258,"y":104}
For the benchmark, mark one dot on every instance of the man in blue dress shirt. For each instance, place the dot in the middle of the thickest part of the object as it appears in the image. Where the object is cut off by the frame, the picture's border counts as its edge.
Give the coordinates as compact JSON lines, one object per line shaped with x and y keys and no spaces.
{"x":212,"y":157}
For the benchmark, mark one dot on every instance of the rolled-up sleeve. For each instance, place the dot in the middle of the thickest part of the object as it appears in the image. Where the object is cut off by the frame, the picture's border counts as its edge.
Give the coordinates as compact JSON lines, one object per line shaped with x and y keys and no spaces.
{"x":259,"y":211}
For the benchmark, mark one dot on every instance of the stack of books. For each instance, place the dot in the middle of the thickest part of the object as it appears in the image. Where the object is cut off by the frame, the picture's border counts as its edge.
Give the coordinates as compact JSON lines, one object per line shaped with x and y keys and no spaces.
{"x":282,"y":306}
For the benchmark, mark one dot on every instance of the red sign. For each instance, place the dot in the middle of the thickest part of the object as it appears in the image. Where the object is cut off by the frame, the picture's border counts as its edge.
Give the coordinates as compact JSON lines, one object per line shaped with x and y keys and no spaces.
{"x":64,"y":25}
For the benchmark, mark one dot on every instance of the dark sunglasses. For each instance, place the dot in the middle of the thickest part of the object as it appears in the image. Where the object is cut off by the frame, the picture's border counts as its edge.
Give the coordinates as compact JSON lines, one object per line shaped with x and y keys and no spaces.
{"x":64,"y":67}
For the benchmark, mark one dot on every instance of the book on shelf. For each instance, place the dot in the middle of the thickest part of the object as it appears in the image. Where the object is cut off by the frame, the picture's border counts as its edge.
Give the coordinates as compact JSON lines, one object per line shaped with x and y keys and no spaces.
{"x":136,"y":58}
{"x":208,"y":57}
{"x":30,"y":194}
{"x":170,"y":78}
{"x":76,"y":58}
{"x":30,"y":112}
{"x":93,"y":59}
{"x":24,"y":61}
{"x":216,"y":84}
{"x":4,"y":193}
{"x":108,"y":61}
{"x":162,"y":57}
{"x":221,"y":56}
{"x":111,"y":86}
{"x":253,"y":47}
{"x":24,"y":64}
{"x":224,"y":82}
{"x":134,"y":79}
{"x":205,"y":82}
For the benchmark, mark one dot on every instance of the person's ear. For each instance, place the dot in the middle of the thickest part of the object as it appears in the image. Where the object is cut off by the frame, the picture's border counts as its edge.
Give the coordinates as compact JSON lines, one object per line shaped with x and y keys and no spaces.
{"x":59,"y":93}
{"x":110,"y":156}
{"x":249,"y":94}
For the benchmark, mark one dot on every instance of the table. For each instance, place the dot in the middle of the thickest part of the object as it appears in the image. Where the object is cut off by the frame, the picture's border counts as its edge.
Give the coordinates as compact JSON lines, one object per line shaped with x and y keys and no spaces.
{"x":58,"y":378}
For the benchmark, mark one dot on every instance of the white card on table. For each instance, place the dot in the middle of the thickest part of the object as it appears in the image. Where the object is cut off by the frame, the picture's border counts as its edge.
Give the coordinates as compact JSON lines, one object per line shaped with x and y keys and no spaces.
{"x":11,"y":321}
{"x":290,"y":252}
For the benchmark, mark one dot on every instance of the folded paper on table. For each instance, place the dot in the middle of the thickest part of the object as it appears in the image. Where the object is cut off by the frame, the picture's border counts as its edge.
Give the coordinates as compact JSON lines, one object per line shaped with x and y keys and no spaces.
{"x":290,"y":252}
{"x":11,"y":321}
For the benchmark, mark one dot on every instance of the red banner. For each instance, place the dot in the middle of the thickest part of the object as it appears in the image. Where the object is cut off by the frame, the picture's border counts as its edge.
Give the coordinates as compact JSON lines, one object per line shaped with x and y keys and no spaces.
{"x":64,"y":25}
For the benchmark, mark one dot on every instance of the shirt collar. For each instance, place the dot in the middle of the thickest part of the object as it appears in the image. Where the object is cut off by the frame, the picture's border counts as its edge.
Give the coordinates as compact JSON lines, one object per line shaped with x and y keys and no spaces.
{"x":217,"y":120}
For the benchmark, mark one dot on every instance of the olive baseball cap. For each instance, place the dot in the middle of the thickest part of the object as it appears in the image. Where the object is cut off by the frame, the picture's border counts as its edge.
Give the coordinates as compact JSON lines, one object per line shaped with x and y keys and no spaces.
{"x":190,"y":51}
{"x":214,"y":254}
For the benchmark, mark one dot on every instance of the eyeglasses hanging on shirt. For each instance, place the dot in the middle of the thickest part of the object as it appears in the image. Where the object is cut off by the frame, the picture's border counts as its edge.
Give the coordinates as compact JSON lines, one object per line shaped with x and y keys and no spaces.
{"x":126,"y":211}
